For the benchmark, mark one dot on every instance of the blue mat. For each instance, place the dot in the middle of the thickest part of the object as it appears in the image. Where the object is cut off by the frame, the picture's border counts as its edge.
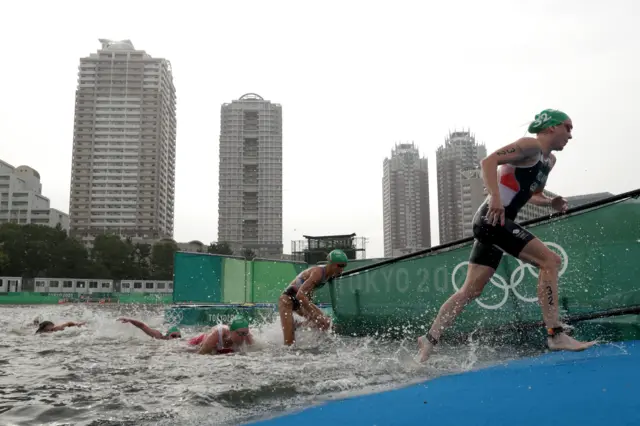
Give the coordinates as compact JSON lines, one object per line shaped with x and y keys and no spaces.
{"x":599,"y":386}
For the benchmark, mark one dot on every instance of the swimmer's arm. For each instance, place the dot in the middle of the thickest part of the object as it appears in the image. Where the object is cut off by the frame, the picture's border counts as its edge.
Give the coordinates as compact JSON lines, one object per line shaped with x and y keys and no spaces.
{"x":144,"y":327}
{"x":539,"y":199}
{"x":307,"y":287}
{"x":67,"y":324}
{"x":519,"y":150}
{"x":210,"y":343}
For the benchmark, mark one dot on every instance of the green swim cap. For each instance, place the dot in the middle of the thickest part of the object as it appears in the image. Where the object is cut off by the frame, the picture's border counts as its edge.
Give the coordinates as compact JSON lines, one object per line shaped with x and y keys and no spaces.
{"x":238,"y":322}
{"x":547,"y":118}
{"x":173,"y":330}
{"x":337,"y":256}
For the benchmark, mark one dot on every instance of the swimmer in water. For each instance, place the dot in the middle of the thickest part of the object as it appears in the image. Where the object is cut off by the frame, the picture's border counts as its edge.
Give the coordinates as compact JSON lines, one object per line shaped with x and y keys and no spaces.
{"x":296,"y":297}
{"x":172,"y":333}
{"x":223,"y":338}
{"x":514,"y":175}
{"x":49,"y":327}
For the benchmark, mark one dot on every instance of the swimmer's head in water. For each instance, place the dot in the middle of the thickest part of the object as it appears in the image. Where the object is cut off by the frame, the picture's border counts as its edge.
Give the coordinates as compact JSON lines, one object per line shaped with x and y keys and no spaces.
{"x":239,"y":328}
{"x":338,"y":258}
{"x":173,"y":333}
{"x":238,"y":322}
{"x":547,"y":118}
{"x":45,"y":327}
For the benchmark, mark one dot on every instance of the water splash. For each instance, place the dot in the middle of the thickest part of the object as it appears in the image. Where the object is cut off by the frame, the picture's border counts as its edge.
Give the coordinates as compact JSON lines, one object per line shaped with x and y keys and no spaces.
{"x":112,"y":373}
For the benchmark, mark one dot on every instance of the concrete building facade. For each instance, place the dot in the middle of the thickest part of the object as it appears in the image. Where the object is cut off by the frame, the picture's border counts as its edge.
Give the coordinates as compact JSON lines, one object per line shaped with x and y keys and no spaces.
{"x":124,"y":145}
{"x":21,"y":199}
{"x":250,"y":176}
{"x":459,"y":154}
{"x":405,"y":201}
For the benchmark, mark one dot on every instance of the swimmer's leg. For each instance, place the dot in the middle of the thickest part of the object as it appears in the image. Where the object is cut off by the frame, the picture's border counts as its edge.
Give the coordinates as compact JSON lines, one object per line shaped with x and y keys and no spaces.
{"x":316,"y":318}
{"x":477,"y":278}
{"x":549,"y":263}
{"x":285,"y":308}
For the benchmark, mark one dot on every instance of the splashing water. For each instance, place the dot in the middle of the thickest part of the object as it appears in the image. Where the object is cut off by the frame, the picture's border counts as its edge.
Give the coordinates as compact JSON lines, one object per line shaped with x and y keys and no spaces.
{"x":111,"y":373}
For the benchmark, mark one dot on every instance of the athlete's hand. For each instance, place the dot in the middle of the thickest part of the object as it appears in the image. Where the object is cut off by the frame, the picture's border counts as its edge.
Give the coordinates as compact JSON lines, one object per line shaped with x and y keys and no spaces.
{"x":123,"y":320}
{"x":560,"y":204}
{"x":495,"y":215}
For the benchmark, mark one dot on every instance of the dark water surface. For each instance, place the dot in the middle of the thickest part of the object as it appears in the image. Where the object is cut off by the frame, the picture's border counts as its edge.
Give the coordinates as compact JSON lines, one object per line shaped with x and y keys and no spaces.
{"x":108,"y":373}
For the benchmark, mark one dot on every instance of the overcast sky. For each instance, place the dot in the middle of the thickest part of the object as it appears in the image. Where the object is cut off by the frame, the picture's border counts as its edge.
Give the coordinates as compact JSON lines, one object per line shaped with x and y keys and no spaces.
{"x":353,"y":79}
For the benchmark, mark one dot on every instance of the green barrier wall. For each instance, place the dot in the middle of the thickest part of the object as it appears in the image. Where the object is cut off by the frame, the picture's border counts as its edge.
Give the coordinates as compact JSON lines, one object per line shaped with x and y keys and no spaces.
{"x":270,"y":278}
{"x":206,"y":278}
{"x":600,"y":251}
{"x":28,"y":298}
{"x":359,"y":263}
{"x":197,"y":278}
{"x":235,"y":280}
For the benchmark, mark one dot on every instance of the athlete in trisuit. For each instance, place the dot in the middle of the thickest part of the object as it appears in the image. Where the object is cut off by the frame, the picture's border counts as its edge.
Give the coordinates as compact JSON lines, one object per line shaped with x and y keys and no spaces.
{"x":514,"y":175}
{"x":224,"y":339}
{"x":296,"y":297}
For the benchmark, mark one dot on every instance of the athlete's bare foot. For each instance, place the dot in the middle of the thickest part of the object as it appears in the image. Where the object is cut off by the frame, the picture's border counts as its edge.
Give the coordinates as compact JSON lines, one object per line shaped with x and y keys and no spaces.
{"x":562,"y":342}
{"x":425,"y":348}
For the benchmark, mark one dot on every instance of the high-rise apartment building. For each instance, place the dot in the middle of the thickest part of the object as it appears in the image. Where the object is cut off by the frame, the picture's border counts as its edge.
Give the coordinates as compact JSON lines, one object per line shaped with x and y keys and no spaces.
{"x":250,"y":176}
{"x":21,"y":199}
{"x":124,"y":145}
{"x":405,"y":201}
{"x":460,"y":153}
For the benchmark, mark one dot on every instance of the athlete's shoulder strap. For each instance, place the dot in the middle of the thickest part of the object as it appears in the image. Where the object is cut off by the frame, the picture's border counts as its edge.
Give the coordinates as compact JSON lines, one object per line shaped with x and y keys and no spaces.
{"x":220,"y":334}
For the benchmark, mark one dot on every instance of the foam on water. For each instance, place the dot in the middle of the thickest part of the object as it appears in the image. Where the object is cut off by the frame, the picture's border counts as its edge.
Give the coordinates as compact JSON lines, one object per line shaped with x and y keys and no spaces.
{"x":111,"y":373}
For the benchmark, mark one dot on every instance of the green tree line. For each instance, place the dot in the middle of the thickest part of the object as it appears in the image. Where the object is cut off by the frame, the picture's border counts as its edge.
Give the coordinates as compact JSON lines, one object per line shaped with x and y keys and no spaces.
{"x":31,"y":251}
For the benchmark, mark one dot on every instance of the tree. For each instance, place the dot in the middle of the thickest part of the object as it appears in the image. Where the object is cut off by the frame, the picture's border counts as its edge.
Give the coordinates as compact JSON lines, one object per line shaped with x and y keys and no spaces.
{"x":71,"y":260}
{"x":41,"y":244}
{"x":248,"y":254}
{"x":162,"y":255}
{"x":31,"y":251}
{"x":115,"y":255}
{"x":142,"y":260}
{"x":220,"y":248}
{"x":4,"y":262}
{"x":14,"y":247}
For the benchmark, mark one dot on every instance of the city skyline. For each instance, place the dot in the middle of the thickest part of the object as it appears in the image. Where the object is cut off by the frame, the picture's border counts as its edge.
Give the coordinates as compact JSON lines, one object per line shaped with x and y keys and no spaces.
{"x":344,"y":107}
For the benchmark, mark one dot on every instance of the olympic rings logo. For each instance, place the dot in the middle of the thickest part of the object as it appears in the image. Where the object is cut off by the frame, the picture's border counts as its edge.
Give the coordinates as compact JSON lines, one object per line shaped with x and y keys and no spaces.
{"x":516,"y":278}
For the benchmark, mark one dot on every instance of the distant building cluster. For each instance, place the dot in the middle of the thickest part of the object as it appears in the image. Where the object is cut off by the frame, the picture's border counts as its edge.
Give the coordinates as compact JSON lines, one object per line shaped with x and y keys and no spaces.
{"x":123,"y":171}
{"x":124,"y":150}
{"x":461,"y":191}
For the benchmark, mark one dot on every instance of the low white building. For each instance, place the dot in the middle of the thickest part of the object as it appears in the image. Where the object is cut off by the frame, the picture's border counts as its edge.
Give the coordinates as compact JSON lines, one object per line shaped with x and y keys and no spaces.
{"x":21,"y":199}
